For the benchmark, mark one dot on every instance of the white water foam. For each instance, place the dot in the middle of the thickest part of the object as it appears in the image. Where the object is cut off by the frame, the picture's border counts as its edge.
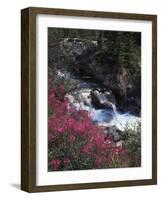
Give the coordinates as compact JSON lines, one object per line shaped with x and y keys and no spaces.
{"x":103,"y":117}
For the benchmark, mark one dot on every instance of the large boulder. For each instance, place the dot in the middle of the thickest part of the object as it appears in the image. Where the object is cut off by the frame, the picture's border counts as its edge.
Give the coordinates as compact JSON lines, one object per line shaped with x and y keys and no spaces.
{"x":100,"y":100}
{"x":72,"y":49}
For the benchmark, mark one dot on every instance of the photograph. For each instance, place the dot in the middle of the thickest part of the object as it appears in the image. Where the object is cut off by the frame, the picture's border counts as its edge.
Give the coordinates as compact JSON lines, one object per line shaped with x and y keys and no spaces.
{"x":88,"y":99}
{"x":94,"y":99}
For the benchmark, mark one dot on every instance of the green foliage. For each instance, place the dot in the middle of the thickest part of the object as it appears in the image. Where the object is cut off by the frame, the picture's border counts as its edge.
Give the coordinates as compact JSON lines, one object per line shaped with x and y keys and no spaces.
{"x":125,"y":47}
{"x":57,"y":34}
{"x":57,"y":79}
{"x":132,"y":141}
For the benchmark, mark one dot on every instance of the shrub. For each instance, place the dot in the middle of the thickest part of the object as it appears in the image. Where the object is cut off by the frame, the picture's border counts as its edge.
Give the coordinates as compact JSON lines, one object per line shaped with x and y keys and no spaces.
{"x":132,"y":141}
{"x":62,"y":81}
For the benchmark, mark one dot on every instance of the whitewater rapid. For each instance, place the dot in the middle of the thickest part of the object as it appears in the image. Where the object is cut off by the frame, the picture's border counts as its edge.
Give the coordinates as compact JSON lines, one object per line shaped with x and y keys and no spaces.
{"x":103,"y":117}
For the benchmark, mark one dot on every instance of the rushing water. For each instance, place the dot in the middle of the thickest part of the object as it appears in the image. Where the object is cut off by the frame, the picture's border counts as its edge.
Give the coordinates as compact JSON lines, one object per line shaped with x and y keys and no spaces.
{"x":103,"y":117}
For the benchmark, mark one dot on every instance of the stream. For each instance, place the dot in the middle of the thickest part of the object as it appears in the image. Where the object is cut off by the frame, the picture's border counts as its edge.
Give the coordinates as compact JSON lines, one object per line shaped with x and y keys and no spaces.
{"x":106,"y":116}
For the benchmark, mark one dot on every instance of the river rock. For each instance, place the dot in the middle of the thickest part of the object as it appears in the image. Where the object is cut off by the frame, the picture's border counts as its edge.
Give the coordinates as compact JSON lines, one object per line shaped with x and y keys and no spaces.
{"x":114,"y":132}
{"x":108,"y":94}
{"x":99,"y":100}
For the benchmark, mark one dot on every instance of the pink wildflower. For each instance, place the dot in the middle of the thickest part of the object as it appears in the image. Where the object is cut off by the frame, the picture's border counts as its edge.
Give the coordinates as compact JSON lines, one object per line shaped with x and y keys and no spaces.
{"x":98,"y":162}
{"x":71,"y":138}
{"x":55,"y":164}
{"x":87,"y":149}
{"x":66,"y":162}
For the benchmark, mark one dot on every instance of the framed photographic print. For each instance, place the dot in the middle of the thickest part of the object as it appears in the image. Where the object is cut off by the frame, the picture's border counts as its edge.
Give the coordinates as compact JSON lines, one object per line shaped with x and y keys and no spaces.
{"x":89,"y":99}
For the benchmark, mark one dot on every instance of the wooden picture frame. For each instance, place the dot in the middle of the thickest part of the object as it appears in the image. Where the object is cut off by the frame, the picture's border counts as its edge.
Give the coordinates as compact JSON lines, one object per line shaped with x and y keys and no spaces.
{"x":28,"y":98}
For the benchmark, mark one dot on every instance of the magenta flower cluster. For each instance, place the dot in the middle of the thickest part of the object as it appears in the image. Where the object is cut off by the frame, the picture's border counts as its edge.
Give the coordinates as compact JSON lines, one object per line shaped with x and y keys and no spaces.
{"x":74,"y":141}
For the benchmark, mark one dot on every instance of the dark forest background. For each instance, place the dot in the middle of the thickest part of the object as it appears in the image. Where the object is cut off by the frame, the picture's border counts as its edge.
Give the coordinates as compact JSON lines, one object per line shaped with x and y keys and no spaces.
{"x":124,"y":47}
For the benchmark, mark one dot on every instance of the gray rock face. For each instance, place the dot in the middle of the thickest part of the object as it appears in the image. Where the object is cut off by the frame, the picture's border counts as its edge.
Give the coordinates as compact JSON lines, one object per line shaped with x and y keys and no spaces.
{"x":73,"y":48}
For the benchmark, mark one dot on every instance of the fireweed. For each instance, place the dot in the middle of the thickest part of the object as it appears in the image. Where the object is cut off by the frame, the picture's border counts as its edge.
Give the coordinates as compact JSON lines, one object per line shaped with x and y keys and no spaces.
{"x":74,"y":141}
